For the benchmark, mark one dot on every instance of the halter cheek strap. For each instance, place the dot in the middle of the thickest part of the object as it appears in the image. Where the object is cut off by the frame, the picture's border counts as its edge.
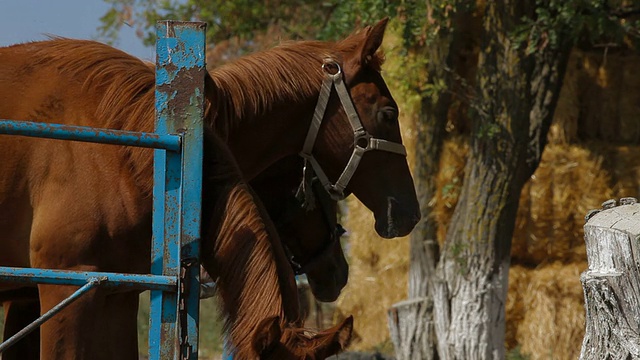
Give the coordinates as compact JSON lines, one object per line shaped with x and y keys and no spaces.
{"x":363,"y":141}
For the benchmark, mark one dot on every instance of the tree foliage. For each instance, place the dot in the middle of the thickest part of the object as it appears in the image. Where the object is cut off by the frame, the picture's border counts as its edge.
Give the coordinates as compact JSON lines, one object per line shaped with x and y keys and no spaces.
{"x":591,"y":22}
{"x":243,"y":19}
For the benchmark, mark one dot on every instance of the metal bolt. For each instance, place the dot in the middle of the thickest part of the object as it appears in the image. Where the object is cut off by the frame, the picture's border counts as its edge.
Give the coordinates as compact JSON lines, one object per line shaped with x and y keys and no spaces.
{"x":609,"y":204}
{"x":628,"y":201}
{"x":591,"y":213}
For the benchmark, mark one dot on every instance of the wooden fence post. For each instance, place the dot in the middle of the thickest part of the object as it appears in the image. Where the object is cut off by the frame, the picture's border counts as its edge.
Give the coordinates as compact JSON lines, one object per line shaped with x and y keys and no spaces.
{"x":611,"y":284}
{"x":412,"y":329}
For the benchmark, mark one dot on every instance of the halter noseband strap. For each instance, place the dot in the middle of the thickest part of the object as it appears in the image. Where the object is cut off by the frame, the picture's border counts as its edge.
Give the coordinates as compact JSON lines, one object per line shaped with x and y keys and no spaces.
{"x":363,"y":141}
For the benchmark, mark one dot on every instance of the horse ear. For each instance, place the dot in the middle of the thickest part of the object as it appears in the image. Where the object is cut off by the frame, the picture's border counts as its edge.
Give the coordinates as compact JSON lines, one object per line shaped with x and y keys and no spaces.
{"x":345,"y":330}
{"x":374,"y":35}
{"x":267,"y":335}
{"x":336,"y":339}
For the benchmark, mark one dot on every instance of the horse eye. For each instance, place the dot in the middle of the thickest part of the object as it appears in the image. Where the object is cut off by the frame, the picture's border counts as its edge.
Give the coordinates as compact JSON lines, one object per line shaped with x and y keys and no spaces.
{"x":387,"y":114}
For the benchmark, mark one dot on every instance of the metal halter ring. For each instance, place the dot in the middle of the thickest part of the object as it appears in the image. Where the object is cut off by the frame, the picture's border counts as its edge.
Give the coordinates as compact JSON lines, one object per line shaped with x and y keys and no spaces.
{"x":328,"y":64}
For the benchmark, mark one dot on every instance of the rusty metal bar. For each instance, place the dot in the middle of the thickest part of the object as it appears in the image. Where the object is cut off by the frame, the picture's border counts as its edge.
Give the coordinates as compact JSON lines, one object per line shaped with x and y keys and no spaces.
{"x":65,"y":277}
{"x":92,"y":283}
{"x":90,"y":134}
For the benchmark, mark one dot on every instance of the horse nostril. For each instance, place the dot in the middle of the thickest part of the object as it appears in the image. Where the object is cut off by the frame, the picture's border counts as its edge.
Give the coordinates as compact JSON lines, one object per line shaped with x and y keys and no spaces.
{"x":340,"y":230}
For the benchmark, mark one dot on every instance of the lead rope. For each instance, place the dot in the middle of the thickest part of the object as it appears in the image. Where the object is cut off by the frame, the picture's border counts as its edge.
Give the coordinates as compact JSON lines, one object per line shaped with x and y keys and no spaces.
{"x":304,"y":194}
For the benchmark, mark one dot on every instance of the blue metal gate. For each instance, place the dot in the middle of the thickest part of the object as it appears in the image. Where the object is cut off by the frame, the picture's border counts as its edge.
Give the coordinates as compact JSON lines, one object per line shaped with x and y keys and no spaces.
{"x":175,"y":258}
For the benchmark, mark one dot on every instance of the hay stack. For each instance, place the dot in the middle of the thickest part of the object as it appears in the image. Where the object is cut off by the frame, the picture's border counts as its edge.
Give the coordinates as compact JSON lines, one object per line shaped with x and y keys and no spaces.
{"x":545,"y":315}
{"x":514,"y":308}
{"x":377,"y":278}
{"x":569,"y":181}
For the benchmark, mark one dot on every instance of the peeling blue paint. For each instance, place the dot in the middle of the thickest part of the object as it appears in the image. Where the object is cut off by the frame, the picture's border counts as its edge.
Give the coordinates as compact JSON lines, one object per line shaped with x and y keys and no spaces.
{"x":188,"y":57}
{"x":180,"y":55}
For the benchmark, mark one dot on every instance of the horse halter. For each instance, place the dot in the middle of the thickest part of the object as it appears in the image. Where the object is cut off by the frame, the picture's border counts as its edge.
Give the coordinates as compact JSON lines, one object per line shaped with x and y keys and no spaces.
{"x":362,"y":140}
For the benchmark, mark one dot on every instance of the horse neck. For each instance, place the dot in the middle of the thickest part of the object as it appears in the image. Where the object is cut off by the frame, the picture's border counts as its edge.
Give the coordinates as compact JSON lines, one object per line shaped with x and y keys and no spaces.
{"x":242,"y":252}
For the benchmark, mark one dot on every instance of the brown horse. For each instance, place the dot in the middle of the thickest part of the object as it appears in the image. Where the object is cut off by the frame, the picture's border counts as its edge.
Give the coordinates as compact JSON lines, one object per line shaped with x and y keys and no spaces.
{"x":66,"y":336}
{"x":86,"y":83}
{"x":312,"y":238}
{"x":244,"y":238}
{"x":265,"y":289}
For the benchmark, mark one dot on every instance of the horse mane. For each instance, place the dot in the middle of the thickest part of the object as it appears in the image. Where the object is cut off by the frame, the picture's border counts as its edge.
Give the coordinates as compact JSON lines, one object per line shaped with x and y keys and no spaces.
{"x":288,"y":73}
{"x":242,"y":251}
{"x":124,"y":83}
{"x":241,"y":90}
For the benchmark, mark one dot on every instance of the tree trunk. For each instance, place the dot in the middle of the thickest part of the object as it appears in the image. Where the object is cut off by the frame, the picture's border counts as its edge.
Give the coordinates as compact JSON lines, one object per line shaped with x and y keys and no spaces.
{"x":512,"y":106}
{"x":516,"y":96}
{"x":612,"y":284}
{"x":411,"y":329}
{"x":411,"y":322}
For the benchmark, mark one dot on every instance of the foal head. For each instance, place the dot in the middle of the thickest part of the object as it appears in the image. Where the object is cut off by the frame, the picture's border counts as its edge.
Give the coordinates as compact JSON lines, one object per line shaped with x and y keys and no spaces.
{"x":272,"y":341}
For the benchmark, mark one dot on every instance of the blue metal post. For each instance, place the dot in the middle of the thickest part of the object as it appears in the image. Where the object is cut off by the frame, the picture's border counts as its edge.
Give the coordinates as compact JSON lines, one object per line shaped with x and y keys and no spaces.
{"x":180,"y":64}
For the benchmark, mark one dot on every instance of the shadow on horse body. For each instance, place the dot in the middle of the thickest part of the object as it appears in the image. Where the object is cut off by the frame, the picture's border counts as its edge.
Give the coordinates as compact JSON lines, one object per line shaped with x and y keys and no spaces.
{"x":310,"y":235}
{"x":54,"y":217}
{"x":253,"y":275}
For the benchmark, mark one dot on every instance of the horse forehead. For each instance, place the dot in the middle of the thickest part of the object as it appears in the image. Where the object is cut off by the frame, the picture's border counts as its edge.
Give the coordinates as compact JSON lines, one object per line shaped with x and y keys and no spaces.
{"x":372,"y":89}
{"x":300,"y":336}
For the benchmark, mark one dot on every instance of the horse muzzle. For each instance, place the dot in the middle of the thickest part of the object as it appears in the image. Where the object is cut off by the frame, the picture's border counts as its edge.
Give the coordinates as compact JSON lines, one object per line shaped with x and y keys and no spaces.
{"x":398,"y":220}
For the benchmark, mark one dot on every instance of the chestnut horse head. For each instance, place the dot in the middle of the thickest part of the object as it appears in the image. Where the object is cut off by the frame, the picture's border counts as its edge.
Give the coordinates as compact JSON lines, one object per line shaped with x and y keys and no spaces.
{"x":264,"y":104}
{"x":310,"y":235}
